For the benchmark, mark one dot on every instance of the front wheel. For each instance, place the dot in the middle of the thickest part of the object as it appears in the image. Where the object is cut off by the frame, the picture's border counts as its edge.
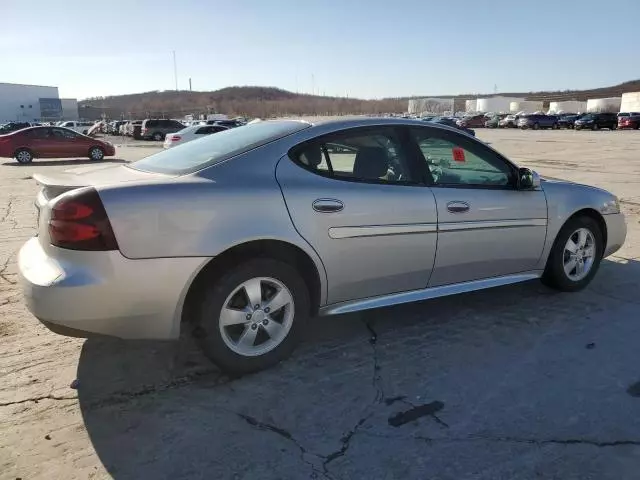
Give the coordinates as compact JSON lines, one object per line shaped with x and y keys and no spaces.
{"x":96,"y":153}
{"x":252,"y":317}
{"x":536,"y":126}
{"x":594,"y":126}
{"x":575,"y":255}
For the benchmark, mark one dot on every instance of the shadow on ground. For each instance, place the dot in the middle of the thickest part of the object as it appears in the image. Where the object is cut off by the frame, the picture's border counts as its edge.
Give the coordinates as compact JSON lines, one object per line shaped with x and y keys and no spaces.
{"x":509,"y":383}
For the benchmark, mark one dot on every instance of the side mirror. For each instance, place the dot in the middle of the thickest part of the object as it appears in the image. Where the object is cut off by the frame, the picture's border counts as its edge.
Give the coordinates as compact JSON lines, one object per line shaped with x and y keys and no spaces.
{"x":528,"y":179}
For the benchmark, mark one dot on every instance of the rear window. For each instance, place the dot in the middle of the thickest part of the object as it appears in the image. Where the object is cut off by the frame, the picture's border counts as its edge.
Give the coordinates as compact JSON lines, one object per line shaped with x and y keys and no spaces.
{"x":211,"y":149}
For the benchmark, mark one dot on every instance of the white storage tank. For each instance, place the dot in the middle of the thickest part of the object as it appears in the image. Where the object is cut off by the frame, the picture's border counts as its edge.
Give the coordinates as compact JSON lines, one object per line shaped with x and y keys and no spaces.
{"x":568,"y":106}
{"x":413,"y":106}
{"x":630,"y":102}
{"x":611,"y":104}
{"x":496,"y":104}
{"x":471,"y":106}
{"x":525,"y":105}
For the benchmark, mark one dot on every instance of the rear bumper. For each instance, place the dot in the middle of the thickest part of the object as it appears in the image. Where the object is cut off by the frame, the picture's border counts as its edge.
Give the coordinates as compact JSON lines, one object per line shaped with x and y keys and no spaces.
{"x":616,"y":232}
{"x":82,"y":293}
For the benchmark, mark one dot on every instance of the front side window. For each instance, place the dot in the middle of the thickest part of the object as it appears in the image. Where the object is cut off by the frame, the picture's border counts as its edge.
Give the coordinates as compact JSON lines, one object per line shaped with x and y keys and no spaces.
{"x":373,"y":155}
{"x":458,"y":162}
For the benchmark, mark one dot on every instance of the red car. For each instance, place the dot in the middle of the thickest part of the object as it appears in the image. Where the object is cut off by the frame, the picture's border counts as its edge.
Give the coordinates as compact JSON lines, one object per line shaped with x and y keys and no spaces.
{"x":629,"y":121}
{"x":52,"y":142}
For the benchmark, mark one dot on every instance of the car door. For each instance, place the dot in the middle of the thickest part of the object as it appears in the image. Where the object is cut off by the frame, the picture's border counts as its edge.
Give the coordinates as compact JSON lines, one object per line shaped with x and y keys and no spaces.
{"x":486,"y":226}
{"x":354,"y":197}
{"x":64,"y":143}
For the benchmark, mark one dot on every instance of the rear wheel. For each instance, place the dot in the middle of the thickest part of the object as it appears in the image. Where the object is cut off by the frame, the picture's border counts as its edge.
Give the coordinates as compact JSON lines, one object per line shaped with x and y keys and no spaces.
{"x":96,"y":153}
{"x":575,"y":255}
{"x":536,"y":126}
{"x":252,"y":316}
{"x":595,"y":126}
{"x":158,"y":136}
{"x":23,"y":155}
{"x":554,"y":126}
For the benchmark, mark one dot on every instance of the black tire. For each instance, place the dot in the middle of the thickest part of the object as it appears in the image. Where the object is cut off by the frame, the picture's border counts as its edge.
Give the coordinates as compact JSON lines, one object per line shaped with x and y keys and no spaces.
{"x":613,"y":127}
{"x":157,"y":137}
{"x":96,"y":153}
{"x":554,"y":126}
{"x":207,"y":329}
{"x":595,"y":126}
{"x":23,"y":155}
{"x":637,"y":126}
{"x":536,"y":126}
{"x":554,"y":275}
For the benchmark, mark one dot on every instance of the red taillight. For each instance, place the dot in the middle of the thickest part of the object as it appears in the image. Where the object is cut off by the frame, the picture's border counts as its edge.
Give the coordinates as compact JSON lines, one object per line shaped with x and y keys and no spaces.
{"x":176,"y":138}
{"x":143,"y":130}
{"x":79,"y":222}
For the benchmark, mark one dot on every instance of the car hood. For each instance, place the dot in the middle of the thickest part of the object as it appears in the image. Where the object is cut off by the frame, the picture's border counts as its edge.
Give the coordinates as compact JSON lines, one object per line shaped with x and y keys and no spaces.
{"x":560,"y":183}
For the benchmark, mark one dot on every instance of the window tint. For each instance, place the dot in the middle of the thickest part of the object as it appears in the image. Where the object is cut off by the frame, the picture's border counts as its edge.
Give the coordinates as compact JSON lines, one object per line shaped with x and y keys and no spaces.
{"x":194,"y":156}
{"x":204,"y":131}
{"x":374,"y":155}
{"x":38,"y":133}
{"x":461,"y":162}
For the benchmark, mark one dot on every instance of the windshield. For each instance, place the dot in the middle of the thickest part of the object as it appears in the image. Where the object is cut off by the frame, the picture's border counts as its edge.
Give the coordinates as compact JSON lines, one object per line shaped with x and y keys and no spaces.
{"x":588,"y":117}
{"x":201,"y":153}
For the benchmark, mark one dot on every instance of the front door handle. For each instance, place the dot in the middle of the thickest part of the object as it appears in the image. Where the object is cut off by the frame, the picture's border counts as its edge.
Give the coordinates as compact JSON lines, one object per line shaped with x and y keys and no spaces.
{"x":327,"y":205}
{"x":458,"y":207}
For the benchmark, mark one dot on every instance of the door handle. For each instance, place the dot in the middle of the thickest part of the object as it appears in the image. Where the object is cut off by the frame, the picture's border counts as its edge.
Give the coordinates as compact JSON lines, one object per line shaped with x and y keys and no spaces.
{"x":327,"y":205}
{"x":458,"y":207}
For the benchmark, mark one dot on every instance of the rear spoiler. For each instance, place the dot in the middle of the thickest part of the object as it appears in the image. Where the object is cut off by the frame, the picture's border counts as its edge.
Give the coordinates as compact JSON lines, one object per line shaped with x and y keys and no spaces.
{"x":68,"y":181}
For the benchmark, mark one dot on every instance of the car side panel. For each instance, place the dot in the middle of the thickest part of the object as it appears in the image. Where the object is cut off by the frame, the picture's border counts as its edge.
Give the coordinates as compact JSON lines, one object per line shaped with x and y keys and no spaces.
{"x":195,"y":216}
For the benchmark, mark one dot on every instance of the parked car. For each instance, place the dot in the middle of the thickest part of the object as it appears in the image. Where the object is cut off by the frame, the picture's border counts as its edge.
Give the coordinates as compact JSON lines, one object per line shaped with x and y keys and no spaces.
{"x":240,"y":237}
{"x":510,"y":121}
{"x":132,"y":129}
{"x":77,"y":126}
{"x":225,"y":123}
{"x":113,"y":127}
{"x":451,"y":122}
{"x":629,"y":120}
{"x":188,"y":134}
{"x":566,"y":120}
{"x":472,"y":121}
{"x":494,"y":120}
{"x":157,"y":129}
{"x":595,"y":121}
{"x":13,"y":126}
{"x":536,"y":121}
{"x":52,"y":142}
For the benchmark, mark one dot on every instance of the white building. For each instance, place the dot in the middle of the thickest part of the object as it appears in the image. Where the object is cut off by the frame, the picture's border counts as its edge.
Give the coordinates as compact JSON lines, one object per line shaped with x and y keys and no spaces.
{"x":496,"y":104}
{"x":471,"y":106}
{"x":528,"y":106}
{"x":611,"y":104}
{"x":28,"y":103}
{"x":630,"y":102}
{"x":568,"y":106}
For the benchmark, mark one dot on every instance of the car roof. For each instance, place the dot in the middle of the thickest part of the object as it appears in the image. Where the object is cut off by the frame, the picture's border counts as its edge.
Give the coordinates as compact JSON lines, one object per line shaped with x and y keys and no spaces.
{"x":373,"y":121}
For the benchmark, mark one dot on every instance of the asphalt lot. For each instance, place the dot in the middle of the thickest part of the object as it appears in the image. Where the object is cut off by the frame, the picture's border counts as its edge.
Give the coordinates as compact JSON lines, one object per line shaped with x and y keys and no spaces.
{"x":518,"y":382}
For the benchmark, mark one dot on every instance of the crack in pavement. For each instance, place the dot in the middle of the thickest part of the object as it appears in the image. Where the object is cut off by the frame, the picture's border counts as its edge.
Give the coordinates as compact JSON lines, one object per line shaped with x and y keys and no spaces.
{"x":508,"y":439}
{"x":3,"y":275}
{"x":377,"y":377}
{"x":37,"y":399}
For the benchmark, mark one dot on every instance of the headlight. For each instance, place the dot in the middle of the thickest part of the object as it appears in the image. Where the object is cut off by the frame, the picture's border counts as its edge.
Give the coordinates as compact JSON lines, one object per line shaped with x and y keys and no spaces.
{"x":611,"y":206}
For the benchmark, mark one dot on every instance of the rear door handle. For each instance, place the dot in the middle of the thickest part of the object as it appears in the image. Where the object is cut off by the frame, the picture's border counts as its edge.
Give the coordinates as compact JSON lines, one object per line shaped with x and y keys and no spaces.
{"x":458,"y":207}
{"x":327,"y":205}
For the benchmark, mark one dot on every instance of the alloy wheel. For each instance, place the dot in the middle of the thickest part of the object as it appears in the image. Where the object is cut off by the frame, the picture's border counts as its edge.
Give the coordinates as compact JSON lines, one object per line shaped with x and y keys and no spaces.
{"x":257,"y":316}
{"x":579,"y":254}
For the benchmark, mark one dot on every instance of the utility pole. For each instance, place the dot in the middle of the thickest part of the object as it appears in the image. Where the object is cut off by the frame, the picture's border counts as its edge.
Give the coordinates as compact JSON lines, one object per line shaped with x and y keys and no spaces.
{"x":175,"y":69}
{"x":190,"y":85}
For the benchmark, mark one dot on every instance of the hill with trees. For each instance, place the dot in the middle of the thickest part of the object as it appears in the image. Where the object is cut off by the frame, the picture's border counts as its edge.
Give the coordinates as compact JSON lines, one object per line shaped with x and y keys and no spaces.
{"x":266,"y":102}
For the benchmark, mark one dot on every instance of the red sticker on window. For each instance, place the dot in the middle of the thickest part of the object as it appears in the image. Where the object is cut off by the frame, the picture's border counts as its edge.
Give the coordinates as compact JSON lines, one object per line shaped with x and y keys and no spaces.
{"x":458,"y":154}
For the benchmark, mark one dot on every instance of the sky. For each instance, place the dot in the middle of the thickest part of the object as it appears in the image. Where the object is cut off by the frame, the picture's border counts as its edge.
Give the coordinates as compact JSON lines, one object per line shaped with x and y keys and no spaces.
{"x":355,"y":48}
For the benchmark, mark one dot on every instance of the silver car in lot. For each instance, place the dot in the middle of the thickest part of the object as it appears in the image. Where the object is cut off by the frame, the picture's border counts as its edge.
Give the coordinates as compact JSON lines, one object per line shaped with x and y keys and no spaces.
{"x":241,"y":236}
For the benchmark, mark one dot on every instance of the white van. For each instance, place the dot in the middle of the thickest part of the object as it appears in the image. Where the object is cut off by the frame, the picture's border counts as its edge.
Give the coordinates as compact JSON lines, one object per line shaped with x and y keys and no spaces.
{"x":80,"y":127}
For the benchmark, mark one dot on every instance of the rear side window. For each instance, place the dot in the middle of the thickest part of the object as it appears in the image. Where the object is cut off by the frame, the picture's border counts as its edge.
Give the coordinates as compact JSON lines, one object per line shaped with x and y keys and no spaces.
{"x":211,"y":149}
{"x":374,"y":155}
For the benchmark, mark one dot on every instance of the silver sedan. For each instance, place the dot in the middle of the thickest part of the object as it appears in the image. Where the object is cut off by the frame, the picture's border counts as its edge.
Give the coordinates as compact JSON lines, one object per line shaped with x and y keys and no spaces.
{"x":241,"y":236}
